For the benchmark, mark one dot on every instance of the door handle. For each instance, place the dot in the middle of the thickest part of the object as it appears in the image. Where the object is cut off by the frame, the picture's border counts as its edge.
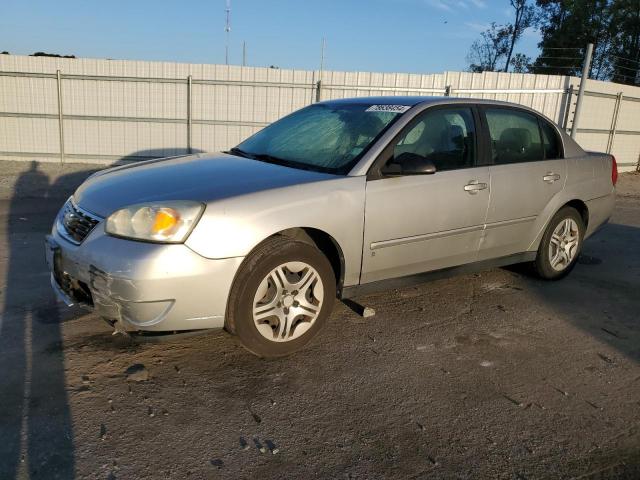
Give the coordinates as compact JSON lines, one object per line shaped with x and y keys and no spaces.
{"x":551,"y":177}
{"x":473,"y":187}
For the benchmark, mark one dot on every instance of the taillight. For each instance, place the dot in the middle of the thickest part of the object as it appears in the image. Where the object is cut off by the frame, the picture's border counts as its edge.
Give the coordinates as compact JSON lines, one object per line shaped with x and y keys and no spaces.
{"x":614,"y":170}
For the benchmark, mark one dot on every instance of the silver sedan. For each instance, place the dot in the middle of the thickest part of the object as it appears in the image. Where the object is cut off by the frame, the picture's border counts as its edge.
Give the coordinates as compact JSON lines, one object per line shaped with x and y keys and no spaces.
{"x":337,"y":199}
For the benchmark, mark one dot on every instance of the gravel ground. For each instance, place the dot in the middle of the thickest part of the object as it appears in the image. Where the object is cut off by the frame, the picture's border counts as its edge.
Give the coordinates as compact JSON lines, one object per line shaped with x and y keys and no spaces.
{"x":492,"y":375}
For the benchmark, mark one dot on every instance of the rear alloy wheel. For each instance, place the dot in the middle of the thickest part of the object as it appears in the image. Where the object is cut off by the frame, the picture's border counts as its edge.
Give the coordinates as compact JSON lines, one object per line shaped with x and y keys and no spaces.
{"x":561,"y":244}
{"x":282,"y":296}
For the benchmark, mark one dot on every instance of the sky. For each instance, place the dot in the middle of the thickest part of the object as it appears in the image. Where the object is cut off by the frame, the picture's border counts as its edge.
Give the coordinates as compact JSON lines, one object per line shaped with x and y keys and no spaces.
{"x":415,"y":36}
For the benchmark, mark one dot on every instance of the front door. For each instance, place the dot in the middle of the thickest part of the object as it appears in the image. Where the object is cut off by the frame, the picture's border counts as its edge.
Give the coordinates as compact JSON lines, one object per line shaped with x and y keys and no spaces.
{"x":419,"y":223}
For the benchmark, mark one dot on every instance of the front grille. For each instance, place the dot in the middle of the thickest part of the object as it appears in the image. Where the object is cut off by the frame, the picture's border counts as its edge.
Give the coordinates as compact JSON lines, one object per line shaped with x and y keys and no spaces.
{"x":77,"y":223}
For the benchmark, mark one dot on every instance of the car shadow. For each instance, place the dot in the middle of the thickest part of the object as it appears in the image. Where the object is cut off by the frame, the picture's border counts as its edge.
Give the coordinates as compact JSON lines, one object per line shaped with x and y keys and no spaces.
{"x":35,"y":421}
{"x":600,"y":296}
{"x":36,"y":428}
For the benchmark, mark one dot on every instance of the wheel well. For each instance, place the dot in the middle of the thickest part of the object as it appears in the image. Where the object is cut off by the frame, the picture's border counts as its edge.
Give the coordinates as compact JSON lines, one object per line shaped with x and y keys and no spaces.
{"x":582,"y":209}
{"x":323,"y":242}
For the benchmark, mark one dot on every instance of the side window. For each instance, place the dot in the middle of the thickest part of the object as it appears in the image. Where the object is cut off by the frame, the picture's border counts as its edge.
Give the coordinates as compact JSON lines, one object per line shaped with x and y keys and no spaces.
{"x":551,"y":141}
{"x":515,"y":136}
{"x":413,"y":135}
{"x":444,"y":136}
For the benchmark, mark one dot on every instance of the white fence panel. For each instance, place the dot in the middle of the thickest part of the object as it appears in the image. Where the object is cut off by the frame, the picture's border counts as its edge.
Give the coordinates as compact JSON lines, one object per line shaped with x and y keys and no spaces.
{"x":128,"y":110}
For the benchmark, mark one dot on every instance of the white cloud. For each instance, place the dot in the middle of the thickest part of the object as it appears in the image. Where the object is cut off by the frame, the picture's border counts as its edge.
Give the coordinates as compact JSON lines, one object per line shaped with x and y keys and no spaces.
{"x":452,"y":5}
{"x":478,"y":27}
{"x":440,"y":5}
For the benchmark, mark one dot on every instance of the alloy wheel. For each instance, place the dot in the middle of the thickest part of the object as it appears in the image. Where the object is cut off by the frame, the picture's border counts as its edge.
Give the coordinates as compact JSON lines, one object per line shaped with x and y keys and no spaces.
{"x":564,"y":243}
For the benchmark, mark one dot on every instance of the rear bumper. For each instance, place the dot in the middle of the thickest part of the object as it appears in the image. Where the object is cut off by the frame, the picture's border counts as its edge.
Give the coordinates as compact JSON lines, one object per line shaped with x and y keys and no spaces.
{"x":143,"y":286}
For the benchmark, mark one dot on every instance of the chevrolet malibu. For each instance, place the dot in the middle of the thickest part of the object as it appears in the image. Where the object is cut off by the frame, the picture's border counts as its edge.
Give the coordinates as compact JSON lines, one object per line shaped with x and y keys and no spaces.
{"x":338,"y":199}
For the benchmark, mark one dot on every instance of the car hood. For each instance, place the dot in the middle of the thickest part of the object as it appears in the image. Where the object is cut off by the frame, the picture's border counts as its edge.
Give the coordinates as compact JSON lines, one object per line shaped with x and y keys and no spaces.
{"x":202,"y":177}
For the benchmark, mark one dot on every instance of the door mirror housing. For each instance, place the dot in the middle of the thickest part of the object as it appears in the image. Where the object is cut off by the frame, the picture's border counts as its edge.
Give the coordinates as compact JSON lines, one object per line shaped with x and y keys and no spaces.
{"x":409,"y":163}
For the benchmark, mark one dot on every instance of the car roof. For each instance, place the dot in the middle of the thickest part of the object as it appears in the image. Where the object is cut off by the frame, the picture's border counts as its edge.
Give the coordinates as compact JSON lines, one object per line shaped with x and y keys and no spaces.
{"x":414,"y":100}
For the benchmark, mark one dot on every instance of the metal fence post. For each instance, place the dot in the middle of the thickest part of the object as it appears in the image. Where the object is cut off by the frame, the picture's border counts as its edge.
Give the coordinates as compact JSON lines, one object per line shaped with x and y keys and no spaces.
{"x":567,"y":108}
{"x":586,"y":68}
{"x":60,"y":115}
{"x":189,"y":114}
{"x":614,"y":122}
{"x":319,"y":83}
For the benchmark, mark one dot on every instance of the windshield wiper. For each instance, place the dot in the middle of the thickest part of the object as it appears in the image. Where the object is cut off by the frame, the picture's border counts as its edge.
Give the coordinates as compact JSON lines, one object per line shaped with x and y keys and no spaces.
{"x":241,"y":153}
{"x":265,"y":157}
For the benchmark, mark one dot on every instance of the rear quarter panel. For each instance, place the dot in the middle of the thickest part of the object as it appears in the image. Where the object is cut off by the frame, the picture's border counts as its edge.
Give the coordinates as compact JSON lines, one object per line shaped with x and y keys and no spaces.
{"x":588,"y":179}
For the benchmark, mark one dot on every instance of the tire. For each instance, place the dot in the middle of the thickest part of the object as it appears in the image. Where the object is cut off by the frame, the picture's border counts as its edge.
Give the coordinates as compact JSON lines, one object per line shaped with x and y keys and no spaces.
{"x":270,"y":316}
{"x":566,"y":224}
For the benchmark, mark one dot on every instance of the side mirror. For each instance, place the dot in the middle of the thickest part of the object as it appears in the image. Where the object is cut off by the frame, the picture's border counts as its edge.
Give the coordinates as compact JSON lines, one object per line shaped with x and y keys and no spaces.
{"x":408,"y":163}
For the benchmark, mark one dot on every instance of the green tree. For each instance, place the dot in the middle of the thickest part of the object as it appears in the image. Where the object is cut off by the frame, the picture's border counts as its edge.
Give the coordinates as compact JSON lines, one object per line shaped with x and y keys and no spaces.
{"x":625,"y":41}
{"x":45,"y":54}
{"x":489,"y":50}
{"x":494,"y":49}
{"x":524,"y":18}
{"x":566,"y":27}
{"x":520,"y":63}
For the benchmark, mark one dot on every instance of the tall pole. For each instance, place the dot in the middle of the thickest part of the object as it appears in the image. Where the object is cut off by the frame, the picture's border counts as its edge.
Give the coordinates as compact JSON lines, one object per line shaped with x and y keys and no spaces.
{"x":189,"y":114}
{"x":244,"y":54}
{"x":227,"y":30}
{"x":614,"y":122}
{"x":322,"y":55}
{"x":60,"y":115}
{"x":586,"y":68}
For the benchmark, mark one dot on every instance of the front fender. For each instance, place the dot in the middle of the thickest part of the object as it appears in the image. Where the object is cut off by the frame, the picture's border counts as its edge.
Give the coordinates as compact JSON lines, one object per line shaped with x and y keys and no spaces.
{"x":234,"y":226}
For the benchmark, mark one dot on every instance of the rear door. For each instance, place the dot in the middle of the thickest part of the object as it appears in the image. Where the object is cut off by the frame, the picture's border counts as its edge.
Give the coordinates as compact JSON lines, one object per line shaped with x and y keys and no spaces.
{"x":527,"y":171}
{"x":426,"y":222}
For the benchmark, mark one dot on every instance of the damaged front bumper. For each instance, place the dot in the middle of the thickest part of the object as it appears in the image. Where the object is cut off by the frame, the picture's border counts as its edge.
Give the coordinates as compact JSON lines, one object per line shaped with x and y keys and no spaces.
{"x":141,"y":286}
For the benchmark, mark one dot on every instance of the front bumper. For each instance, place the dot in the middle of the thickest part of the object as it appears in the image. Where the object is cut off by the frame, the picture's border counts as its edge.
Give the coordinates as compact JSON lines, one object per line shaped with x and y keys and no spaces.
{"x":143,"y":286}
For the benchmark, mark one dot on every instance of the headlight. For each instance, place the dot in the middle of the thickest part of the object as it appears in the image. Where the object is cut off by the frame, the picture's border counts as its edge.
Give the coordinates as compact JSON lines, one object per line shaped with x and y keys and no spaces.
{"x":164,"y":222}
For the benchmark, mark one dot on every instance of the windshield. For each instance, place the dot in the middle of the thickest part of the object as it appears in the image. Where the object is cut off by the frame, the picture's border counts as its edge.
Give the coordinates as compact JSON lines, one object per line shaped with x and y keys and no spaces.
{"x":323,"y":137}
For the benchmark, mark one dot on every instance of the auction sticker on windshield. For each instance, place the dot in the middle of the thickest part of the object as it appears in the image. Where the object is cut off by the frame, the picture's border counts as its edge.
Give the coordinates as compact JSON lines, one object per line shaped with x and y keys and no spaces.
{"x":388,"y":108}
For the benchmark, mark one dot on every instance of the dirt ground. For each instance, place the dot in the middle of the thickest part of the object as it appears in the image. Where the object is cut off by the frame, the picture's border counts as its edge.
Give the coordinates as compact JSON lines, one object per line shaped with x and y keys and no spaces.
{"x":491,"y":375}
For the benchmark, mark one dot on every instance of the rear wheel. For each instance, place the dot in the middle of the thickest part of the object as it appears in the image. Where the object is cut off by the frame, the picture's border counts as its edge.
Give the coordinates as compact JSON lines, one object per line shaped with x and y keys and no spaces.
{"x":282,"y":296}
{"x":560,"y":245}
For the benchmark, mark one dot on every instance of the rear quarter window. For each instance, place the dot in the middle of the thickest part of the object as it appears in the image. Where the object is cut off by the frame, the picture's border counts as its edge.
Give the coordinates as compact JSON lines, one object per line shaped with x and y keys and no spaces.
{"x":552,"y":149}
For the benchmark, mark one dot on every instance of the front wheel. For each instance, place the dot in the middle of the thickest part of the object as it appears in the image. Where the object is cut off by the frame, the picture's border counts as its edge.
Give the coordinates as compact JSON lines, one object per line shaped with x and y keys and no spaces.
{"x":282,"y":296}
{"x":560,"y":245}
